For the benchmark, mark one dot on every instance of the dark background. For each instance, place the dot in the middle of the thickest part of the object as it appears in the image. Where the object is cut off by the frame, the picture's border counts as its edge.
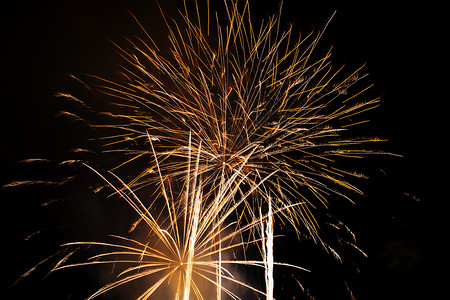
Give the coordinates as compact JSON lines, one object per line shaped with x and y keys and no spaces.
{"x":400,"y":224}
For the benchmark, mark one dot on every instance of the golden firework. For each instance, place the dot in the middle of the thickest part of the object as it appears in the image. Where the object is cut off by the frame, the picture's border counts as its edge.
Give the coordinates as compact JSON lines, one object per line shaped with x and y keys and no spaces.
{"x":243,"y":92}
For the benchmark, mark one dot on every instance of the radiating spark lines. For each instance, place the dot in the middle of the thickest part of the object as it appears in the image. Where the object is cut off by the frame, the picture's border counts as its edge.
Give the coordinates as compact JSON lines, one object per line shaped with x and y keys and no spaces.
{"x":255,"y":91}
{"x":186,"y":243}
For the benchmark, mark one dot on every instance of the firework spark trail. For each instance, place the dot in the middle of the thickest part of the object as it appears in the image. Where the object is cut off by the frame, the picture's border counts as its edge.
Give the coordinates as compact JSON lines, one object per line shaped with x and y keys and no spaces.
{"x":190,"y":255}
{"x":251,"y":90}
{"x":267,"y":246}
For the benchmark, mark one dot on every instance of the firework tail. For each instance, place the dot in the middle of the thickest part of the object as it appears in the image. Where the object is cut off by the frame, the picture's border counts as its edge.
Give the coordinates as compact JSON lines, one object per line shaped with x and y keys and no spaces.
{"x":267,"y":246}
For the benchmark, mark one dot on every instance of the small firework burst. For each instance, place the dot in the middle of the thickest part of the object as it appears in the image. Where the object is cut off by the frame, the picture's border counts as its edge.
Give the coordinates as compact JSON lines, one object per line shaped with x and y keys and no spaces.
{"x":188,"y":242}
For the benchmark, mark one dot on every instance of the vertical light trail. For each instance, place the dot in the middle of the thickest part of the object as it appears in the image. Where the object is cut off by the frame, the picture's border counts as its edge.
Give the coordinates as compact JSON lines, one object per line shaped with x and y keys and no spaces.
{"x":266,"y":225}
{"x":269,"y":253}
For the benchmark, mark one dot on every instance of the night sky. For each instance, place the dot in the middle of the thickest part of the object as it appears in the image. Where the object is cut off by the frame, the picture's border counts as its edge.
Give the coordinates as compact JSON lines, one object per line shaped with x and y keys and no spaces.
{"x":400,"y":222}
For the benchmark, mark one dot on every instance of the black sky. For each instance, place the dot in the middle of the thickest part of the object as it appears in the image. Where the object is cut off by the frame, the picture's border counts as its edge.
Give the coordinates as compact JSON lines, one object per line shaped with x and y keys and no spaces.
{"x":401,"y":223}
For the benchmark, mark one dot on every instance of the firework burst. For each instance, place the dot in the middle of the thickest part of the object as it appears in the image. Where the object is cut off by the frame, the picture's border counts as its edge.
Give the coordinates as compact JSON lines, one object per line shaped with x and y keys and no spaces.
{"x":243,"y":93}
{"x":187,"y":242}
{"x":235,"y":125}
